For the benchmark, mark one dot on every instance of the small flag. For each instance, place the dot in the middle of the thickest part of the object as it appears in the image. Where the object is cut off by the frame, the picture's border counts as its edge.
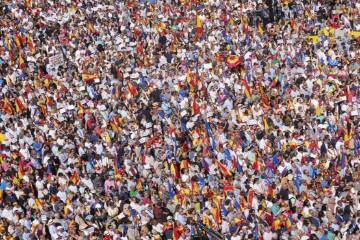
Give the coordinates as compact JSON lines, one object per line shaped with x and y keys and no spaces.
{"x":199,"y":28}
{"x":30,"y":45}
{"x":18,"y":105}
{"x":275,"y":82}
{"x":21,"y":63}
{"x":194,"y":108}
{"x":247,"y":89}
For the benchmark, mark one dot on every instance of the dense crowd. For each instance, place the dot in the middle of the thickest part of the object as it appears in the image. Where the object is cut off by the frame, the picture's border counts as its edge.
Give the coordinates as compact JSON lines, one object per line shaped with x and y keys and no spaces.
{"x":159,"y":120}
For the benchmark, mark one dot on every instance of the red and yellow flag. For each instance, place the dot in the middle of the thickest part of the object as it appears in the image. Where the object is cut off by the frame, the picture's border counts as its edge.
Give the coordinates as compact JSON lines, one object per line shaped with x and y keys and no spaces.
{"x":18,"y":40}
{"x":274,"y":83}
{"x":199,"y":28}
{"x":21,"y":63}
{"x":247,"y":89}
{"x":132,"y":89}
{"x":195,"y":108}
{"x":18,"y":105}
{"x":75,"y":177}
{"x":256,"y":163}
{"x":223,"y":169}
{"x":139,"y":185}
{"x":88,"y":77}
{"x":7,"y":107}
{"x":90,"y":27}
{"x":30,"y":45}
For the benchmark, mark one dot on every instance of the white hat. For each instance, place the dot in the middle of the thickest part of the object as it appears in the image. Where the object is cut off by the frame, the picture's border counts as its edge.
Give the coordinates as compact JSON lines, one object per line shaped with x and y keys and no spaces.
{"x":169,"y":218}
{"x":59,"y":227}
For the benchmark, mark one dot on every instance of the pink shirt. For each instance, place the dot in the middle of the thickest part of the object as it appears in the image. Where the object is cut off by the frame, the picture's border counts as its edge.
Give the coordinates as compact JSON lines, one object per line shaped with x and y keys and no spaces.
{"x":109,"y":184}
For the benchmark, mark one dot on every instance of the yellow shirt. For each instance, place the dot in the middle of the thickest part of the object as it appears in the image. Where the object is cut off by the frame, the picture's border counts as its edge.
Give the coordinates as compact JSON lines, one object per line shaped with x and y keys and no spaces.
{"x":2,"y":138}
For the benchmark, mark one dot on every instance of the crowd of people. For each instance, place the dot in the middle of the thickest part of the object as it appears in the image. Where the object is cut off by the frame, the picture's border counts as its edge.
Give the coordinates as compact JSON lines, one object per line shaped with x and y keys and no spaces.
{"x":179,"y":119}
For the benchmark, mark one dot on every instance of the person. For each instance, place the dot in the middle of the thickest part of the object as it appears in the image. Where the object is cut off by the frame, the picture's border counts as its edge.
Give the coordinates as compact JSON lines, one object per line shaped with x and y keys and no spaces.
{"x":148,"y":119}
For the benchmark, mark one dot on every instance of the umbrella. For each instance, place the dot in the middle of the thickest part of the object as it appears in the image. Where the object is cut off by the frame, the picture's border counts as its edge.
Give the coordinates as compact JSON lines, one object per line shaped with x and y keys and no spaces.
{"x":233,"y":61}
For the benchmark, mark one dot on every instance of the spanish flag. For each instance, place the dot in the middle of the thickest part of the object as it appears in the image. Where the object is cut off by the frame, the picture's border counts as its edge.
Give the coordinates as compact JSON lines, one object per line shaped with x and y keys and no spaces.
{"x":266,"y":125}
{"x":293,"y":24}
{"x":199,"y":28}
{"x":256,"y":163}
{"x":139,"y":185}
{"x":75,"y":177}
{"x":81,"y":110}
{"x":189,"y":77}
{"x":114,"y":127}
{"x":90,"y":27}
{"x":184,"y":164}
{"x":261,"y":30}
{"x":7,"y":107}
{"x":18,"y":104}
{"x":194,"y":108}
{"x":174,"y":170}
{"x":88,"y":77}
{"x":132,"y":89}
{"x":218,"y":214}
{"x":274,"y":83}
{"x":247,"y":89}
{"x":21,"y":63}
{"x":223,"y":169}
{"x":8,"y":43}
{"x":67,"y":211}
{"x":49,"y":102}
{"x":265,"y":101}
{"x":119,"y":74}
{"x":30,"y":44}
